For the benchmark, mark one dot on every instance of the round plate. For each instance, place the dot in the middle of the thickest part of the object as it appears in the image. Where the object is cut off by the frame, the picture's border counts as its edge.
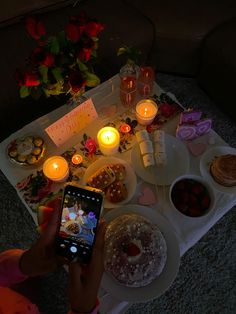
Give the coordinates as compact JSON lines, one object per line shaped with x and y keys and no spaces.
{"x":130,"y":179}
{"x":67,"y":224}
{"x":159,"y":285}
{"x":206,"y":161}
{"x":27,"y":150}
{"x":177,"y":163}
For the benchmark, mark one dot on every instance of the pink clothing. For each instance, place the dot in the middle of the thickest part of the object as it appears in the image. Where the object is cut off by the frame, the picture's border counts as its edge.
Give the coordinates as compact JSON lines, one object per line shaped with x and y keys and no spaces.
{"x":12,"y":302}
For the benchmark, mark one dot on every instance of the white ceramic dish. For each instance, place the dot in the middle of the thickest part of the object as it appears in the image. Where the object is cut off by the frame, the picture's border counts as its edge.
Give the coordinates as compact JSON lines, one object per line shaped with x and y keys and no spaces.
{"x":203,"y":182}
{"x":205,"y":163}
{"x":177,"y":163}
{"x":130,"y":179}
{"x":165,"y":279}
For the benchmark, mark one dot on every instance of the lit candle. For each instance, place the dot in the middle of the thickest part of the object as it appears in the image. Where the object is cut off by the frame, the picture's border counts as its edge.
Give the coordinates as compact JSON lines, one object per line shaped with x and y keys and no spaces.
{"x":108,"y":140}
{"x":125,"y":128}
{"x":146,"y":110}
{"x":76,"y":159}
{"x":56,"y":168}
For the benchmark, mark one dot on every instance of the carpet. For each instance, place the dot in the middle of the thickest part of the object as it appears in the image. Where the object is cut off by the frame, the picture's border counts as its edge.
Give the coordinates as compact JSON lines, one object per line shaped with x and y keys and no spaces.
{"x":206,"y":282}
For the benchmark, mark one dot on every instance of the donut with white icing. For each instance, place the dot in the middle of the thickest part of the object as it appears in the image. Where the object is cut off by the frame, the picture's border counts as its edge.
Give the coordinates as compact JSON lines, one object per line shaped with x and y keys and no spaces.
{"x":135,"y":250}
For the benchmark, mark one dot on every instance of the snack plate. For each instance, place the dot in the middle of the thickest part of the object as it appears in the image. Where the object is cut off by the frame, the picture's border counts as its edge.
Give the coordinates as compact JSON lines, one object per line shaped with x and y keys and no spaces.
{"x":177,"y":163}
{"x":159,"y":285}
{"x":26,"y":151}
{"x":130,"y":179}
{"x":205,"y":163}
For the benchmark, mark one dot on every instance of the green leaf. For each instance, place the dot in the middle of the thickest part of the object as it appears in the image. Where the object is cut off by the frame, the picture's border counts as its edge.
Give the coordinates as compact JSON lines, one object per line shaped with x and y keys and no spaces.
{"x":24,"y":91}
{"x":82,"y":66}
{"x":61,"y":37}
{"x":91,"y":79}
{"x":43,"y":70}
{"x":55,"y":89}
{"x":121,"y":51}
{"x":57,"y":74}
{"x":94,"y":53}
{"x":55,"y":48}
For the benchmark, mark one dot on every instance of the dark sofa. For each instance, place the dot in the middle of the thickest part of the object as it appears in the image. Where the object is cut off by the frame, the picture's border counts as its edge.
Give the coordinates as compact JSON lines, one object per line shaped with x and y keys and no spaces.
{"x":193,"y":38}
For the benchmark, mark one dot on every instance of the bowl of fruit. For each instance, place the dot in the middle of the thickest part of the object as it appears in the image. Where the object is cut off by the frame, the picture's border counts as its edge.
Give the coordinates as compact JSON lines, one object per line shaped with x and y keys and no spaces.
{"x":192,"y":196}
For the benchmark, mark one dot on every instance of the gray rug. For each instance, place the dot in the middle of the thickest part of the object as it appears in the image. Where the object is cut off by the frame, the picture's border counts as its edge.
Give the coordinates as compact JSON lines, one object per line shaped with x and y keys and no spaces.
{"x":206,"y":282}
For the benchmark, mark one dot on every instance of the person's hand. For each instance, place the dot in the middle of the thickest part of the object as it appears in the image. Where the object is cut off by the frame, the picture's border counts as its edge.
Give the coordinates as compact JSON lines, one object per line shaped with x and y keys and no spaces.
{"x":84,"y":280}
{"x":41,"y":258}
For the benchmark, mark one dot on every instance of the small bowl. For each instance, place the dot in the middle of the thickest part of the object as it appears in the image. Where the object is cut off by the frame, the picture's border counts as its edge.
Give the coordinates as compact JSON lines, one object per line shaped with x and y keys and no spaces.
{"x":192,"y":196}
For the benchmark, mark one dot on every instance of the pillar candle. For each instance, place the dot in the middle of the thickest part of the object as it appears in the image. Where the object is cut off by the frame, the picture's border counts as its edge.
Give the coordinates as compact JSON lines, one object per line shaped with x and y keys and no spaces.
{"x":108,"y":140}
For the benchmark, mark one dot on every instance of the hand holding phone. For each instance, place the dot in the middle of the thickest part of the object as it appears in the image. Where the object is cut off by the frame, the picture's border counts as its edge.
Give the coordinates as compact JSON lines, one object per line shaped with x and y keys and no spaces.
{"x":80,"y":213}
{"x":84,"y":280}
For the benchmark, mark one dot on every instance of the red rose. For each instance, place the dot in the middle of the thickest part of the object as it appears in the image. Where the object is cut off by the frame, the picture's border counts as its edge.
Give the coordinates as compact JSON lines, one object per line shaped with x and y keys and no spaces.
{"x":76,"y":81}
{"x":49,"y":60}
{"x":36,"y":29}
{"x":91,"y":146}
{"x":93,"y":28}
{"x":167,"y":110}
{"x":39,"y":56}
{"x":73,"y":31}
{"x":86,"y":51}
{"x":31,"y":79}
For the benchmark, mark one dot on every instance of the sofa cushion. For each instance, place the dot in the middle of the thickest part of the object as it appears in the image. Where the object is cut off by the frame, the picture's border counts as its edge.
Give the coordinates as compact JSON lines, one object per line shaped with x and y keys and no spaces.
{"x":12,"y":11}
{"x":180,"y":28}
{"x":218,"y":67}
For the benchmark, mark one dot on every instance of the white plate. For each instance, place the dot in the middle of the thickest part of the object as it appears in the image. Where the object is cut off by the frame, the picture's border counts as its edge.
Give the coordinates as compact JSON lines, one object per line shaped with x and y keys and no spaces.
{"x":159,"y":285}
{"x":205,"y":162}
{"x":130,"y":179}
{"x":177,"y":163}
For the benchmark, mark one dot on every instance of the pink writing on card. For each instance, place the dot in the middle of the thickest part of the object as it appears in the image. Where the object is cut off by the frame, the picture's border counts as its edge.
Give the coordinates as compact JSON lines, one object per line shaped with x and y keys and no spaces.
{"x":71,"y":123}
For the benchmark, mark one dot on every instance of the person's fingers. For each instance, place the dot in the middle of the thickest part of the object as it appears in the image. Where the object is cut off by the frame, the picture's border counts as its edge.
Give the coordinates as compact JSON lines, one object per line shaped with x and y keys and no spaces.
{"x":96,"y":266}
{"x":48,"y":235}
{"x":99,"y":243}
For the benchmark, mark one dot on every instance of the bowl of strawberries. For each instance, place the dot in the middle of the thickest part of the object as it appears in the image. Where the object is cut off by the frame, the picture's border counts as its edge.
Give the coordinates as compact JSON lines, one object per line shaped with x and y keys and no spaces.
{"x":192,"y":196}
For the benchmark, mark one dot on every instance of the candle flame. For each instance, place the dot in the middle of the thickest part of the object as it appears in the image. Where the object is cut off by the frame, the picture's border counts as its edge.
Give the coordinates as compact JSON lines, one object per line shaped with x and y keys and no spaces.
{"x":145,"y":111}
{"x":108,"y":135}
{"x":55,"y":166}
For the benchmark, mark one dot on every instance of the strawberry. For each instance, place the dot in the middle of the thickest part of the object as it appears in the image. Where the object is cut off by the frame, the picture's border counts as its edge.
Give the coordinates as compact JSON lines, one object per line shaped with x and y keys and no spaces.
{"x":131,"y":249}
{"x":205,"y":203}
{"x":192,"y":199}
{"x":197,"y":188}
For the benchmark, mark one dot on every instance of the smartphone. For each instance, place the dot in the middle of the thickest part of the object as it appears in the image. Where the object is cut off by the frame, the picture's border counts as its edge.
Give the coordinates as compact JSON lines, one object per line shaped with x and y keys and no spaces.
{"x":80,"y":212}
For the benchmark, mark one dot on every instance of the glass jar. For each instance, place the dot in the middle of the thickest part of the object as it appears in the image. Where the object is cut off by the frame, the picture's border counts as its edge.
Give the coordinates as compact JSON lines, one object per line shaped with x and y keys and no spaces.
{"x":146,"y":80}
{"x":128,"y":84}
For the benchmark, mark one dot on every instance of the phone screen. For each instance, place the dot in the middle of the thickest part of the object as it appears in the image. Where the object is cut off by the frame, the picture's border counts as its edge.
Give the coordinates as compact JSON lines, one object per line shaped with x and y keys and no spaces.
{"x":81,"y":208}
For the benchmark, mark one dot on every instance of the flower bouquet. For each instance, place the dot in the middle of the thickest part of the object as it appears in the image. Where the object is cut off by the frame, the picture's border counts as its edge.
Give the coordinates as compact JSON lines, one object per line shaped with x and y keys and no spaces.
{"x":61,"y":64}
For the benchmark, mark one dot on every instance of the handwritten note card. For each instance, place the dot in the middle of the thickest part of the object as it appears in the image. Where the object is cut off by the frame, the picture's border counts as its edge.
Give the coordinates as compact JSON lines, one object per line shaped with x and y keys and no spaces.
{"x":70,"y":124}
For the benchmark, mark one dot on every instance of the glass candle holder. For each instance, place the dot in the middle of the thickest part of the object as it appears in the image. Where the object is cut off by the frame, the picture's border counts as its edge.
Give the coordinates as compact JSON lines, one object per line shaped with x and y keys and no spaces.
{"x":146,"y":80}
{"x":128,"y":90}
{"x":56,"y":168}
{"x":108,"y":140}
{"x":146,"y":110}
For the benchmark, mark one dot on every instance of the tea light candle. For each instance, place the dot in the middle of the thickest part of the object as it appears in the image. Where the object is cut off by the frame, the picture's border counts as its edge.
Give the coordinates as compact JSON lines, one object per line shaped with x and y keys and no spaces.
{"x":77,"y":159}
{"x":56,"y":168}
{"x":125,"y":128}
{"x":146,"y":110}
{"x":108,"y":140}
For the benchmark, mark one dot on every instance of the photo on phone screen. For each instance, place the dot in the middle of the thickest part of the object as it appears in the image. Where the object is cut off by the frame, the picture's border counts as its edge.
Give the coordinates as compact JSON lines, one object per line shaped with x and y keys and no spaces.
{"x":81,"y":209}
